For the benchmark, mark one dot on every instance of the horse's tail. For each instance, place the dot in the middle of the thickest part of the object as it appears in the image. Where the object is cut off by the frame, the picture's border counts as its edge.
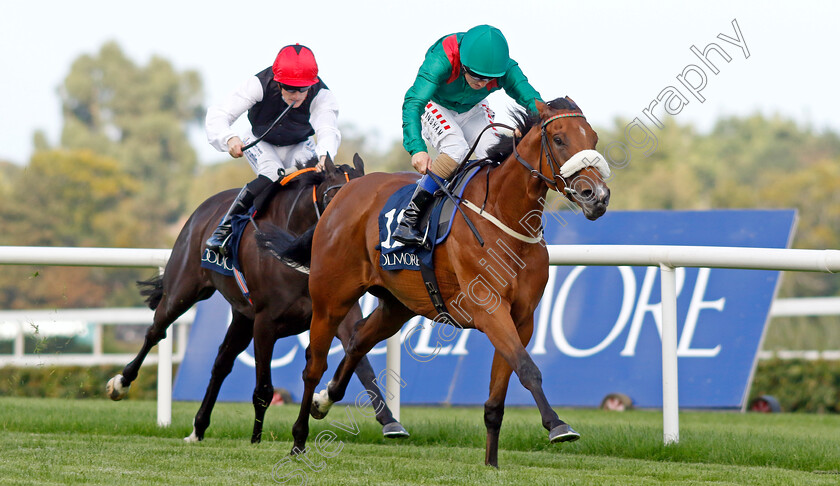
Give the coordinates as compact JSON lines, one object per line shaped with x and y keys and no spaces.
{"x":152,"y":290}
{"x":296,"y":252}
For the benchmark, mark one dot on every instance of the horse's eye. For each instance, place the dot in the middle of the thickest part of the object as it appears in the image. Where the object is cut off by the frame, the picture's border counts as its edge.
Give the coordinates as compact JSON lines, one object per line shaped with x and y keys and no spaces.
{"x":558,"y":140}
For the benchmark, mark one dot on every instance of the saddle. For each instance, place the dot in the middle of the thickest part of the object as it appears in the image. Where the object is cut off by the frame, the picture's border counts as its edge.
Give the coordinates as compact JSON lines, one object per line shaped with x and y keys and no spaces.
{"x":456,"y":187}
{"x":229,"y":265}
{"x":437,"y":223}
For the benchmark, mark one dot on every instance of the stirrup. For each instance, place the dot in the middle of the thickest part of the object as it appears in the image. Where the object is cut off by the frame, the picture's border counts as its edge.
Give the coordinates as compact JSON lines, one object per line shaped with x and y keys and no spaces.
{"x":426,"y":243}
{"x":223,"y":248}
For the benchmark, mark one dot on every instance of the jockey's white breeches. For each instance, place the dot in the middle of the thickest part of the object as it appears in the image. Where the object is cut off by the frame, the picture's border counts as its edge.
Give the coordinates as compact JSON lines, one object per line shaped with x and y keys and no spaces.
{"x":266,"y":159}
{"x":454,"y":133}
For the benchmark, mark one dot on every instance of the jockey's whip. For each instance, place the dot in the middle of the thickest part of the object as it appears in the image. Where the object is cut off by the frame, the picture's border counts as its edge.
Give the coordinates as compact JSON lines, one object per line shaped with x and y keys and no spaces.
{"x":273,"y":124}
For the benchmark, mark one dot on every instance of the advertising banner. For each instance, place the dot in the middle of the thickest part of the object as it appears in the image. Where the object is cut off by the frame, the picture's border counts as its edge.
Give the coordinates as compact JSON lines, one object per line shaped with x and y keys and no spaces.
{"x":597,"y":329}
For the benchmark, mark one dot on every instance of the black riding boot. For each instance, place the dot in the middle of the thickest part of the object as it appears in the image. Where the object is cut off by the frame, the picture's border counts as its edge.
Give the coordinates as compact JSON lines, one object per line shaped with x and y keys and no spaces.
{"x":408,"y":232}
{"x":219,"y":239}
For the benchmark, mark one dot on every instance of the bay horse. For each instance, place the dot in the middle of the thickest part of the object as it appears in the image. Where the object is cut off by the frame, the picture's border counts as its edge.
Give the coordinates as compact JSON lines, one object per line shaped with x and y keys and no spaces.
{"x":279,"y":304}
{"x":554,"y":151}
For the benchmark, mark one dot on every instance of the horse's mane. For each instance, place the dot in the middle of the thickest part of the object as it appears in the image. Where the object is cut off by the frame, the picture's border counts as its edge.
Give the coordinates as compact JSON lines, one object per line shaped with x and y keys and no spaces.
{"x":304,"y":180}
{"x":524,"y":121}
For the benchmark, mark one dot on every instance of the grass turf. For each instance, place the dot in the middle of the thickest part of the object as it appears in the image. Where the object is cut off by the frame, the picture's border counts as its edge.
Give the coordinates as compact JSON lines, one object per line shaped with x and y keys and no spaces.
{"x":51,"y":441}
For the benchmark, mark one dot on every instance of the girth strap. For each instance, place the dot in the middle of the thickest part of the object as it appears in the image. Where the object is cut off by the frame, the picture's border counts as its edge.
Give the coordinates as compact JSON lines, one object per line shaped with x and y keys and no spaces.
{"x":432,"y":287}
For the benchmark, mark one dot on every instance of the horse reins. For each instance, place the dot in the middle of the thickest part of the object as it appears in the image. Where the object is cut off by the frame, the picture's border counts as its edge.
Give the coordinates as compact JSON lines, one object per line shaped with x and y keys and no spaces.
{"x":551,"y":160}
{"x":291,"y":177}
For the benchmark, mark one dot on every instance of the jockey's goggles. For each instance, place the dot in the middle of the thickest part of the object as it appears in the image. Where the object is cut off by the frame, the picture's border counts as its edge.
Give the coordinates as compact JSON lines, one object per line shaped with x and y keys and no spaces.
{"x":295,"y":89}
{"x":478,"y":77}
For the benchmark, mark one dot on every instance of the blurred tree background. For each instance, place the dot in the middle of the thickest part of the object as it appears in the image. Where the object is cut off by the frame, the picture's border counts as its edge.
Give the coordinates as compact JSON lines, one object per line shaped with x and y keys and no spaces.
{"x":124,"y":175}
{"x":748,"y":162}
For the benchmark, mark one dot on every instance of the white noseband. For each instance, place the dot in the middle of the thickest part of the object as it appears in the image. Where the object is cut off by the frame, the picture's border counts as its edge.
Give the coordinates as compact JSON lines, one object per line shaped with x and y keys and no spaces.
{"x":583,"y":159}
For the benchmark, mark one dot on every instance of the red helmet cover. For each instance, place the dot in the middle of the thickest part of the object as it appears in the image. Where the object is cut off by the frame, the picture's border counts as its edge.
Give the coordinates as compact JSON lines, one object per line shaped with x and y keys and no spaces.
{"x":295,"y":66}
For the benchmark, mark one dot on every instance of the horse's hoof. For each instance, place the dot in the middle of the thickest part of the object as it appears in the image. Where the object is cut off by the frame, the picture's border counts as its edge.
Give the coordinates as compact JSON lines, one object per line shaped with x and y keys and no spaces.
{"x":192,"y":438}
{"x":115,"y":389}
{"x":320,"y":405}
{"x":394,"y":430}
{"x":563,"y":433}
{"x":316,"y":414}
{"x":297,"y":450}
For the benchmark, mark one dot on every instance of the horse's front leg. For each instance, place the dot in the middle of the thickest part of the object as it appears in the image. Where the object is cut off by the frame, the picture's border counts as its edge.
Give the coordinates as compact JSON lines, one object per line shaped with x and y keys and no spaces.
{"x":381,"y":324}
{"x":494,"y":408}
{"x":264,"y":339}
{"x":501,"y":331}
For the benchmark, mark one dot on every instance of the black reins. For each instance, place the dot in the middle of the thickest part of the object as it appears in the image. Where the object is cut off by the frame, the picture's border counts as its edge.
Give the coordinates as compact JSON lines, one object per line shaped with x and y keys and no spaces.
{"x":551,"y":159}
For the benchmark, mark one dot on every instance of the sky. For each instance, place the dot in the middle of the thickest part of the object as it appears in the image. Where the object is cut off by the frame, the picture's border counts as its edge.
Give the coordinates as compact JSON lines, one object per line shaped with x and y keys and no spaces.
{"x":612,"y":57}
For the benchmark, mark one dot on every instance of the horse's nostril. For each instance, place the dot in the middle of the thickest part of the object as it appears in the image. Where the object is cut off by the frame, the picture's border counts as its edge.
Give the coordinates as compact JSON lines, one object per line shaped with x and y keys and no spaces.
{"x":586,"y":194}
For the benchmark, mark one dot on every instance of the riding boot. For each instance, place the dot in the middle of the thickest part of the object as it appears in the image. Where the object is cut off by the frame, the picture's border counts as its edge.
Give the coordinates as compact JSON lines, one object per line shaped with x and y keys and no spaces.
{"x":241,"y":204}
{"x":408,"y":232}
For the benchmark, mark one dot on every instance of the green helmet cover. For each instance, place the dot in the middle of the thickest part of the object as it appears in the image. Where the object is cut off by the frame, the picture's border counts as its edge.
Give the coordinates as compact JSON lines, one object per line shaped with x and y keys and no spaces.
{"x":484,"y":51}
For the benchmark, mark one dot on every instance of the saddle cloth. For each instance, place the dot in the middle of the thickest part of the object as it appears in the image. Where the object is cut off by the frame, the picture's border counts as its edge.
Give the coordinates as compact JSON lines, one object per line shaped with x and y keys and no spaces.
{"x":225,"y":265}
{"x":438,"y":223}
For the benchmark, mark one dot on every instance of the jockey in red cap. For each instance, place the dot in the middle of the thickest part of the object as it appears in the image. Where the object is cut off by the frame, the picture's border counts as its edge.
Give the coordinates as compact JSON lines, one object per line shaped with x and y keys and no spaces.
{"x":285,"y":142}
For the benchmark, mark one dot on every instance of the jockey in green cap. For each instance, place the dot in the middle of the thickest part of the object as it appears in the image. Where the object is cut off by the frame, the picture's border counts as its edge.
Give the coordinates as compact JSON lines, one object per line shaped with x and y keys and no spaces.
{"x":447,"y":105}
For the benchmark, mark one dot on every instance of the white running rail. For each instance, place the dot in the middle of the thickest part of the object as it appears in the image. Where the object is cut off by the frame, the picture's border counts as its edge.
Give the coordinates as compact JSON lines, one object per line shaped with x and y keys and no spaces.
{"x":107,"y":257}
{"x":667,"y":258}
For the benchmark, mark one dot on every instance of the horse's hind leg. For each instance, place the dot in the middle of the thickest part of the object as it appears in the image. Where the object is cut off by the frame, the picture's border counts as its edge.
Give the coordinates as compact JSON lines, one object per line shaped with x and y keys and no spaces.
{"x":236,"y":340}
{"x":264,"y":339}
{"x":391,"y":428}
{"x":381,"y":324}
{"x":173,"y":303}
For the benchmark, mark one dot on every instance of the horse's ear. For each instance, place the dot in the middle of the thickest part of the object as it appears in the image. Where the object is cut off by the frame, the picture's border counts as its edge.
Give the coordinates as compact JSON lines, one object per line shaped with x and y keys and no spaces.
{"x":543,"y":109}
{"x":328,"y":164}
{"x":572,"y":102}
{"x":358,"y":163}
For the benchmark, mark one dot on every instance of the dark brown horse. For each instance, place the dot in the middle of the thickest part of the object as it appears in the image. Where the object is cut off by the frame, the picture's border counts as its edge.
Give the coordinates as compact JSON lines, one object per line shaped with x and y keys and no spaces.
{"x":345,"y":263}
{"x":279,"y":303}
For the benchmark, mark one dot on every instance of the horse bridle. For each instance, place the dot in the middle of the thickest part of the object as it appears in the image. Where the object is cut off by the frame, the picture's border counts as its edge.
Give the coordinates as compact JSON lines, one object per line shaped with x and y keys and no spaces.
{"x":551,"y":160}
{"x":328,"y":189}
{"x":318,"y":210}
